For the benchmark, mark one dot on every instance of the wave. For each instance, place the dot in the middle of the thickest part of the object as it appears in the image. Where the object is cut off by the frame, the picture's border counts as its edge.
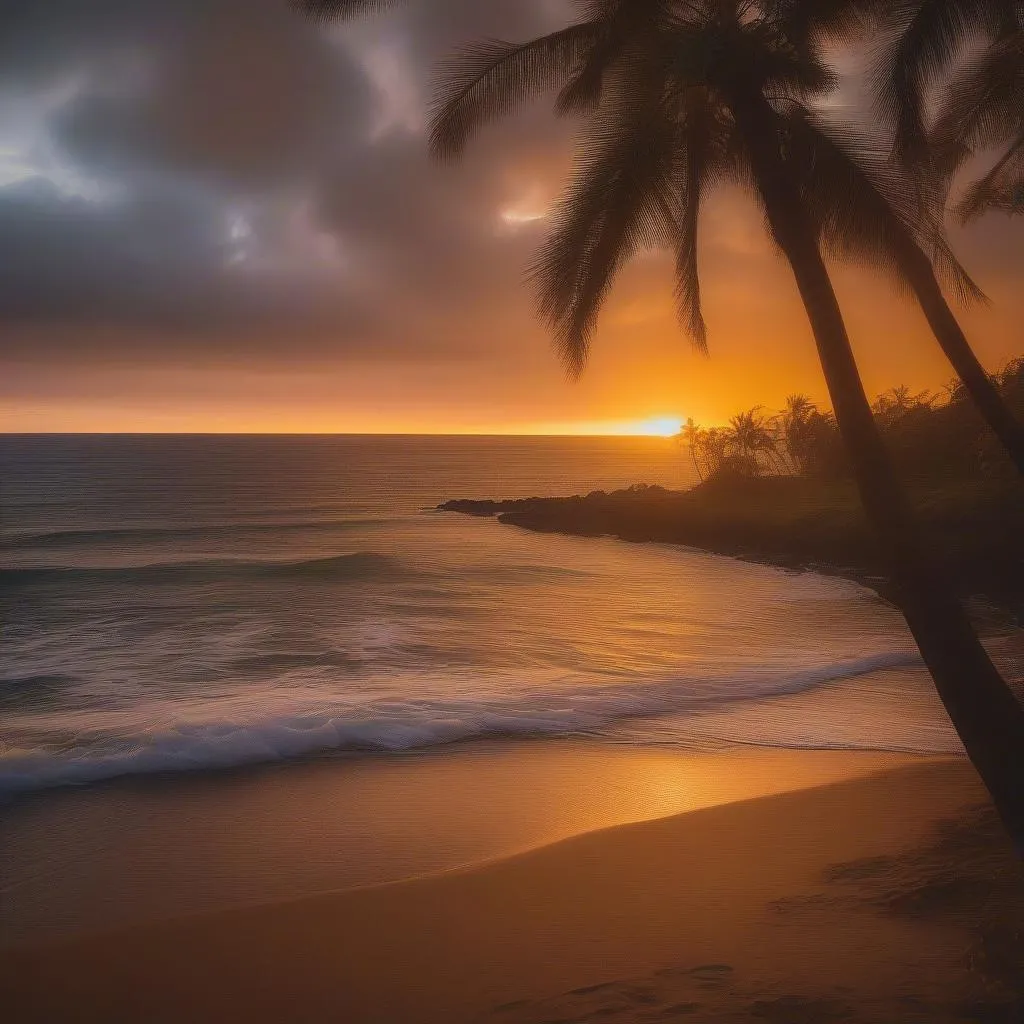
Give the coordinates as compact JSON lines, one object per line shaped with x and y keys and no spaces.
{"x":282,"y":661}
{"x":35,"y":690}
{"x":355,"y":565}
{"x":404,"y":725}
{"x":74,"y":538}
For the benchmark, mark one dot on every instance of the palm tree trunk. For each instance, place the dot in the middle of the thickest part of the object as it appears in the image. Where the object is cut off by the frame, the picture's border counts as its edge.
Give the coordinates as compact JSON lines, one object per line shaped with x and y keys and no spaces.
{"x":985,"y":712}
{"x":954,"y":344}
{"x":696,"y":466}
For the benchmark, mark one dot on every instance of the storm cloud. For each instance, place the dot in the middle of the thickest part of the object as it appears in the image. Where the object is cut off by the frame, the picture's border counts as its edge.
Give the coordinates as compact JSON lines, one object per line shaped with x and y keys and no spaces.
{"x":222,"y":183}
{"x":225,"y":167}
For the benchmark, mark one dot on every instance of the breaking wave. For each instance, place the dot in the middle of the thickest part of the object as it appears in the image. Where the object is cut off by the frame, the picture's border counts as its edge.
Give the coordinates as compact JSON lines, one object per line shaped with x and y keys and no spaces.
{"x":393,"y":725}
{"x":147,"y":534}
{"x":354,"y":565}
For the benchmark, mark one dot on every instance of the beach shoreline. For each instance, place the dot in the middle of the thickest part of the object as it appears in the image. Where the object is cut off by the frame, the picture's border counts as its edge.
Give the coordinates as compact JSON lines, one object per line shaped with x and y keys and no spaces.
{"x":199,"y":842}
{"x":714,"y":911}
{"x":799,"y":525}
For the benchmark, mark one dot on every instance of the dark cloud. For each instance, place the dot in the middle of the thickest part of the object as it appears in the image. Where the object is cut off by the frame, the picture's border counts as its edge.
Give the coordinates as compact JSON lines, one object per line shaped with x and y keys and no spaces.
{"x":221,"y":180}
{"x":211,"y":129}
{"x":155,"y":261}
{"x":246,"y":93}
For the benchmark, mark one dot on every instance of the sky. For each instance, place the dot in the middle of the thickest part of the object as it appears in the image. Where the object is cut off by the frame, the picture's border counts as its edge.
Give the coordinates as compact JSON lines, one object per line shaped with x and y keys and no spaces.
{"x":218,"y":216}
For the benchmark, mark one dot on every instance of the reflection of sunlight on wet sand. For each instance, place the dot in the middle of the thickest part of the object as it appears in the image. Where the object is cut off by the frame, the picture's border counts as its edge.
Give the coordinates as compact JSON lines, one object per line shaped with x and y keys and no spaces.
{"x":327,"y":826}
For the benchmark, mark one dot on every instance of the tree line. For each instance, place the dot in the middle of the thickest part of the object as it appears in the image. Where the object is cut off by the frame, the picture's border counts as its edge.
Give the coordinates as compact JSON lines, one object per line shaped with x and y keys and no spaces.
{"x":931,"y":435}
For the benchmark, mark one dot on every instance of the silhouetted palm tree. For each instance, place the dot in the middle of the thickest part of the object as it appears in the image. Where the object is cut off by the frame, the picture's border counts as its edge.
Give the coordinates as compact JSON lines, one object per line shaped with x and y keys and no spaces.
{"x":690,"y":436}
{"x":869,"y":225}
{"x":985,"y":107}
{"x":800,"y":423}
{"x":751,"y":441}
{"x":897,"y":403}
{"x":680,"y":96}
{"x":874,"y":211}
{"x":926,"y":34}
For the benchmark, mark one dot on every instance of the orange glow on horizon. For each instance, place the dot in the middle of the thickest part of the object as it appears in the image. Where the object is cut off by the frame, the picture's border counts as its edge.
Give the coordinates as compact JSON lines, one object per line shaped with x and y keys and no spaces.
{"x":183,"y":421}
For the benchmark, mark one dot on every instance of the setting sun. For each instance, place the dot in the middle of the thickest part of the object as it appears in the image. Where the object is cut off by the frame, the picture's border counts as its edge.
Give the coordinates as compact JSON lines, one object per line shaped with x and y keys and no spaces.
{"x":657,"y":426}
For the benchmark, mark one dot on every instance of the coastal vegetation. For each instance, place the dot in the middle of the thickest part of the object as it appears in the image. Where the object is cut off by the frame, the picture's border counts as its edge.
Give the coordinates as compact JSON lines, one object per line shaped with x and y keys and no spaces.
{"x":936,"y":436}
{"x":777,"y":487}
{"x":677,"y":99}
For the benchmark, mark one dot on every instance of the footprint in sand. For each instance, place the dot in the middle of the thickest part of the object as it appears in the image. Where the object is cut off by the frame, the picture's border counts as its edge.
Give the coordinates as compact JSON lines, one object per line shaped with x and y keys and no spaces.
{"x":516,"y":1004}
{"x":711,"y":975}
{"x":678,"y":1009}
{"x":585,"y":990}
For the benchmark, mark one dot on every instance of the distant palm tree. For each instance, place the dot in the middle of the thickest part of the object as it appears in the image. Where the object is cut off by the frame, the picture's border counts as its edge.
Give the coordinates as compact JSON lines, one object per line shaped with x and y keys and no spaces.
{"x":691,"y":437}
{"x":751,"y":441}
{"x":679,"y":96}
{"x":897,"y":403}
{"x":715,"y":444}
{"x":800,"y":425}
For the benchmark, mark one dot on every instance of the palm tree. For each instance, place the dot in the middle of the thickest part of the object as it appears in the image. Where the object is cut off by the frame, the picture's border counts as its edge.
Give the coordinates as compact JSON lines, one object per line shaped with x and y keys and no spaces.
{"x":897,"y":403}
{"x":691,"y":436}
{"x":870,"y":226}
{"x":799,"y":422}
{"x":751,"y":441}
{"x":985,"y":107}
{"x":679,"y":96}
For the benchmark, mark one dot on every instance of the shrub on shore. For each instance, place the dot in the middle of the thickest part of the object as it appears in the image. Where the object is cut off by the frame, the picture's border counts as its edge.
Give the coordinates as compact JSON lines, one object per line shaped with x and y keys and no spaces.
{"x":932,"y":436}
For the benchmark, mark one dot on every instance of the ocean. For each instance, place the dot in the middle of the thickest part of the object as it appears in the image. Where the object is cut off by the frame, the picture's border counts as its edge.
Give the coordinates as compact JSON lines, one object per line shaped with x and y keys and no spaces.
{"x":192,"y":603}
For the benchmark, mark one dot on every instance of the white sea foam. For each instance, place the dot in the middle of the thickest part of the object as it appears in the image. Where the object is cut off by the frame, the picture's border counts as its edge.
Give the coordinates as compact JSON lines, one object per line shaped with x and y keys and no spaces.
{"x":391,"y":725}
{"x":188,"y":604}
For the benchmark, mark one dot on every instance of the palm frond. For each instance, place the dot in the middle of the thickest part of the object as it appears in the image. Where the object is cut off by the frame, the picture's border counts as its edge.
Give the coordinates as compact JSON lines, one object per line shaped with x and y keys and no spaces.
{"x":624,"y":23}
{"x":1002,"y":188}
{"x":984,"y":104}
{"x":924,"y":38}
{"x":813,"y":20}
{"x":865,"y":209}
{"x":618,"y":202}
{"x":490,"y":79}
{"x":340,"y":10}
{"x":698,"y":165}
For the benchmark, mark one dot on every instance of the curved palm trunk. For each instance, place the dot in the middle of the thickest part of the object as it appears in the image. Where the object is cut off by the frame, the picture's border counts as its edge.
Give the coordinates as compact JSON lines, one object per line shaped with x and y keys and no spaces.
{"x":696,"y":464}
{"x":954,"y":344}
{"x":983,"y":709}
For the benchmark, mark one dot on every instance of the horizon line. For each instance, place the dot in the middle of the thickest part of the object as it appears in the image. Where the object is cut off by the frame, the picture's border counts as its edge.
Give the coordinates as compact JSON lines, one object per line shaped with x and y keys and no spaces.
{"x":316,"y":433}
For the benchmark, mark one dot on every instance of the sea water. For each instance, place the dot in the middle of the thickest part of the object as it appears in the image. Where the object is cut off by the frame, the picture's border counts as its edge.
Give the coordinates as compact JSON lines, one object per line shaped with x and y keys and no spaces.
{"x":187,"y":603}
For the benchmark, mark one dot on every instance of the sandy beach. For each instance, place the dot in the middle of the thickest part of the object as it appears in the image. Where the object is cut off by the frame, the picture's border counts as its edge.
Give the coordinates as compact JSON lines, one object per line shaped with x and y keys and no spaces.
{"x":795,"y":886}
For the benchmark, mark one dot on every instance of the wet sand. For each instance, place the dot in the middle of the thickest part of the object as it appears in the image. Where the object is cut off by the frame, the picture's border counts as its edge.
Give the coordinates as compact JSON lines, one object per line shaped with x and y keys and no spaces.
{"x":864,"y":889}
